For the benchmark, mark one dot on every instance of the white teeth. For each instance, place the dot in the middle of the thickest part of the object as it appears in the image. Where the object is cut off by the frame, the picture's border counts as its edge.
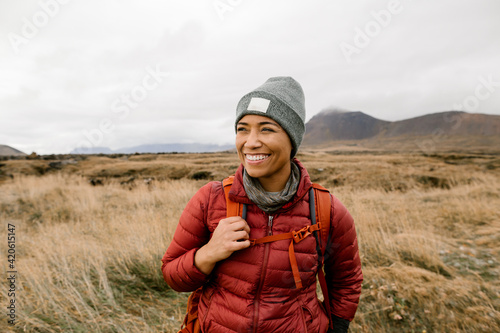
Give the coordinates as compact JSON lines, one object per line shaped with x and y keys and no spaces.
{"x":256,"y":157}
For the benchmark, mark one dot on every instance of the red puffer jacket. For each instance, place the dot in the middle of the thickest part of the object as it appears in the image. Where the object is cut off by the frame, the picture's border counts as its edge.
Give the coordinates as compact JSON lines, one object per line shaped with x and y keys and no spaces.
{"x":254,"y":290}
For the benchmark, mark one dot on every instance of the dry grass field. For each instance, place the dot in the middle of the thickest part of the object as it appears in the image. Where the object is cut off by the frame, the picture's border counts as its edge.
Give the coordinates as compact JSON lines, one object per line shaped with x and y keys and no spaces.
{"x":90,"y":233}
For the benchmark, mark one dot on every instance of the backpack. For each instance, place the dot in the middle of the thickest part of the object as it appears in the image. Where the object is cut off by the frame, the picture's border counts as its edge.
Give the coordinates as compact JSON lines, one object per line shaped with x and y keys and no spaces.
{"x":319,"y":207}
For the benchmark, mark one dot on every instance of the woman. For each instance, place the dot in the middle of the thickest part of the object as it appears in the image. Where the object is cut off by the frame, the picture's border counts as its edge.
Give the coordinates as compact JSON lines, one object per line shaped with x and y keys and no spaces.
{"x":251,"y":288}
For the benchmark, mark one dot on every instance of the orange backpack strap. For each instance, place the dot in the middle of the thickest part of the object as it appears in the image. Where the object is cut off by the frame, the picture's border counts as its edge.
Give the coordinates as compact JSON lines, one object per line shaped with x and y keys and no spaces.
{"x":320,"y":205}
{"x":191,"y":323}
{"x":232,"y":208}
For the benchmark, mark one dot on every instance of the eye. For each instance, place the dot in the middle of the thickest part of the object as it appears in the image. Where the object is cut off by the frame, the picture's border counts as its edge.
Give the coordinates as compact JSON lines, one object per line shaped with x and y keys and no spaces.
{"x":267,"y":129}
{"x":240,"y":129}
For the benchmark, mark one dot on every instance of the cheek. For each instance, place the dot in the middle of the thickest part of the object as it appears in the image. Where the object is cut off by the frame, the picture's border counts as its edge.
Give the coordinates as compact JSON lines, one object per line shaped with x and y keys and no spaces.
{"x":238,"y":143}
{"x":283,"y":145}
{"x":283,"y":142}
{"x":239,"y":146}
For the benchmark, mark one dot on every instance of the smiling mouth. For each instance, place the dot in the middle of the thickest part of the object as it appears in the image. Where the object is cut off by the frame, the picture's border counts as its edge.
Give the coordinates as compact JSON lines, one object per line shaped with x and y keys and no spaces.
{"x":258,"y":157}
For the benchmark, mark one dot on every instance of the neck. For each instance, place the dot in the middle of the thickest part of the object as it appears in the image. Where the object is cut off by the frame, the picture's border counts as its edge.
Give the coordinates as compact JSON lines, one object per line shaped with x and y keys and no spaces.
{"x":277,"y":181}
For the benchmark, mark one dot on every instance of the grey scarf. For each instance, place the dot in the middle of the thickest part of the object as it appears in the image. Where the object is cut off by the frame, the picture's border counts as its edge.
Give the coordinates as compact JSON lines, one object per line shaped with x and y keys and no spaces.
{"x":270,"y":202}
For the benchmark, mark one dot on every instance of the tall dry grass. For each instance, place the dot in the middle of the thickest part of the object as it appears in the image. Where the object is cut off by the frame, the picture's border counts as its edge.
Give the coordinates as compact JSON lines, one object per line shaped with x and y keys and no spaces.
{"x":424,"y":269}
{"x":89,"y":257}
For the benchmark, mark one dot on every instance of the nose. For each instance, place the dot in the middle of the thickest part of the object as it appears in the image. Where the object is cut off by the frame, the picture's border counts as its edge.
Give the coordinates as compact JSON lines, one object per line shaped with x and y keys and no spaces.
{"x":253,"y":140}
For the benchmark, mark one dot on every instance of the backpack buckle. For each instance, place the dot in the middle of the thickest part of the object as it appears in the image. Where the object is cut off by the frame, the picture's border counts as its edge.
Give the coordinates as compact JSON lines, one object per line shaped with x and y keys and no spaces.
{"x":300,"y":234}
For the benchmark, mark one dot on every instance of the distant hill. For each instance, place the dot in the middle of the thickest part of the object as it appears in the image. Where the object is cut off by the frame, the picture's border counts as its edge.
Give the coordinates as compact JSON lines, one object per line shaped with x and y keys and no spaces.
{"x":449,"y":123}
{"x":156,"y":148}
{"x":331,"y":125}
{"x":9,"y":151}
{"x":92,"y":150}
{"x":444,"y":129}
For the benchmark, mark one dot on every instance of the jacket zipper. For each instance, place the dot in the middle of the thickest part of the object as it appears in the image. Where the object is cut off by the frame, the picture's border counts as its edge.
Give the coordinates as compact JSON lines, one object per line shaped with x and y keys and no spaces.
{"x":263,"y":275}
{"x":270,"y":225}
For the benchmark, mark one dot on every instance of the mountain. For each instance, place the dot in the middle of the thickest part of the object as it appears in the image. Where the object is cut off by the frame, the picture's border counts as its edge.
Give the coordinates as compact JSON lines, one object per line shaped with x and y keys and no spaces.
{"x":449,"y":123}
{"x":332,"y":125}
{"x":9,"y":151}
{"x":156,"y":148}
{"x":445,"y":129}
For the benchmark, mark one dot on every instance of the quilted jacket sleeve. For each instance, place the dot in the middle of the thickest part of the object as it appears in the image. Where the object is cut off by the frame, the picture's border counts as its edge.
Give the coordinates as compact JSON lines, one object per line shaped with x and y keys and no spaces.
{"x":342,"y":263}
{"x":178,"y":267}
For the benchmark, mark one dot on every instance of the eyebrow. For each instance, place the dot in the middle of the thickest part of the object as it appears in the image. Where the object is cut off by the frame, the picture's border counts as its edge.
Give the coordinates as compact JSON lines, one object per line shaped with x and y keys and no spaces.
{"x":261,"y":123}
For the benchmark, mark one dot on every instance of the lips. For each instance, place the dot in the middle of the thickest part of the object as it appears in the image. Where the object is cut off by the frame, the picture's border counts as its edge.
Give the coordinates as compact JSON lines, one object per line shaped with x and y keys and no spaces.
{"x":256,"y":157}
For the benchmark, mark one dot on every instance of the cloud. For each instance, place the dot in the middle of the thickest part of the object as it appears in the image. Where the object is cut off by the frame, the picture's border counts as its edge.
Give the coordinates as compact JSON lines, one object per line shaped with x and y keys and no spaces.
{"x":64,"y":81}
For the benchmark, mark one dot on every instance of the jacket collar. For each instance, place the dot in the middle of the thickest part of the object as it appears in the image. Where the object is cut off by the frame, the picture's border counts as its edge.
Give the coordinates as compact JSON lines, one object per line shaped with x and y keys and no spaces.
{"x":238,"y":194}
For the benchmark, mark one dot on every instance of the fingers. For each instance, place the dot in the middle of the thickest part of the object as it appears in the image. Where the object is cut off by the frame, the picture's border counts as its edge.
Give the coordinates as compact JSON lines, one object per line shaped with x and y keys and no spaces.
{"x":231,"y":234}
{"x":241,"y":235}
{"x":240,"y":245}
{"x":246,"y":228}
{"x":234,"y":223}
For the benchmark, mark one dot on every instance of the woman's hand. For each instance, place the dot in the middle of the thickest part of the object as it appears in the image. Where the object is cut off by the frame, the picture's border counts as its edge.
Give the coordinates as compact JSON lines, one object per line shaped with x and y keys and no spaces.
{"x":232,"y":234}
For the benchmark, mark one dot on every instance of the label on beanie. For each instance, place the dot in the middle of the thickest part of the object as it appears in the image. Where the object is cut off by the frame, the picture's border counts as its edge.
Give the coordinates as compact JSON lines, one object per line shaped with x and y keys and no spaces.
{"x":258,"y":104}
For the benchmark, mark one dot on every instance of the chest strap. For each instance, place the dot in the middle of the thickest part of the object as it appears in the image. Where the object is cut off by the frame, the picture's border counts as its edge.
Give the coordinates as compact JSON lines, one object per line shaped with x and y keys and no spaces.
{"x":296,"y":237}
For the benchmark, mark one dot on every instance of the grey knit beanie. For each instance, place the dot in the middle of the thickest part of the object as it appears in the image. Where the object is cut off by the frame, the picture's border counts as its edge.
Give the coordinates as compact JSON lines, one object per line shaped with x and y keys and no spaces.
{"x":280,"y":98}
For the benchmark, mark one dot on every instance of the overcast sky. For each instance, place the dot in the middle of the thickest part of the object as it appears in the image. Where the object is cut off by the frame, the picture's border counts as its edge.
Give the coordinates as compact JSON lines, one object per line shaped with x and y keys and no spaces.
{"x":123,"y":73}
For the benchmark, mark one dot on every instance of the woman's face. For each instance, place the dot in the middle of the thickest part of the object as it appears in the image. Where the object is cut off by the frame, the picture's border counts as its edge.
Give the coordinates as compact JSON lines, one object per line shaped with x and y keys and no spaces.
{"x":264,"y":148}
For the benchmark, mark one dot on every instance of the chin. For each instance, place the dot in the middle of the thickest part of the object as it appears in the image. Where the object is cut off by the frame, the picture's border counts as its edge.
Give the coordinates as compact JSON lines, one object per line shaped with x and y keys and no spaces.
{"x":254,"y":173}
